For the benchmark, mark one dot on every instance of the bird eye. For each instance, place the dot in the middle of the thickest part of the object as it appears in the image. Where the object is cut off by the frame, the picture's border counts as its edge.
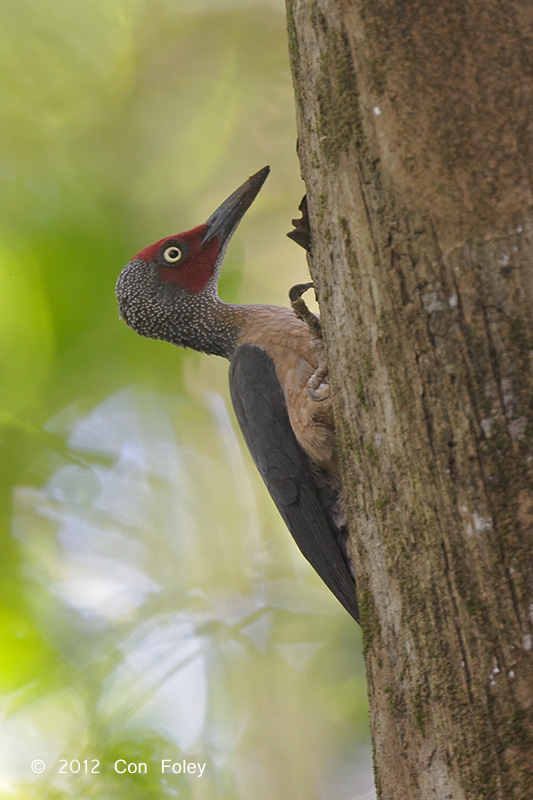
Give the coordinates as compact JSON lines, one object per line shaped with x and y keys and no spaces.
{"x":172,"y":254}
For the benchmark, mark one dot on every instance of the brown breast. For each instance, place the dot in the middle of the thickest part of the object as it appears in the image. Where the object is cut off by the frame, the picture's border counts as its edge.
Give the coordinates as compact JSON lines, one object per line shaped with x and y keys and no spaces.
{"x":287,"y":340}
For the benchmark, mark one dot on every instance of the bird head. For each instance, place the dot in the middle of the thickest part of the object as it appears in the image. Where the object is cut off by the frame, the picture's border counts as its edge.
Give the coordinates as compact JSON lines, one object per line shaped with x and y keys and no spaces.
{"x":168,"y":290}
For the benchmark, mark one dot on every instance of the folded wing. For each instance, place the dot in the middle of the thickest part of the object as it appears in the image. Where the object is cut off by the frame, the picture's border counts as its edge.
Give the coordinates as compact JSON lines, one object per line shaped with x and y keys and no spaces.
{"x":262,"y":414}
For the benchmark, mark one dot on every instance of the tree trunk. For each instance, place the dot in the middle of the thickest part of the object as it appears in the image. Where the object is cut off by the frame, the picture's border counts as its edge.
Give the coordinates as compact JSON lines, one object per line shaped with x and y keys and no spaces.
{"x":416,"y":145}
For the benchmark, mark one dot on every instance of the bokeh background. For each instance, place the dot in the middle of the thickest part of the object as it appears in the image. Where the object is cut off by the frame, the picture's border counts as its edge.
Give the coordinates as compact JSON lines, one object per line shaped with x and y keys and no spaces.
{"x":153,"y":605}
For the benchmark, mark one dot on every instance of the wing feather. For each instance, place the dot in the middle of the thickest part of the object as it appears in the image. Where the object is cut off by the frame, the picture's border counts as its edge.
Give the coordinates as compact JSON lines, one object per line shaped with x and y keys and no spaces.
{"x":260,"y":407}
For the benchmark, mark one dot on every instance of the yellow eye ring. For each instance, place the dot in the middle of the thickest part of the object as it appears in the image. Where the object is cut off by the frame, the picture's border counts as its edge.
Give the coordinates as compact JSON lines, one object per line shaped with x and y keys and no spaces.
{"x":172,"y":254}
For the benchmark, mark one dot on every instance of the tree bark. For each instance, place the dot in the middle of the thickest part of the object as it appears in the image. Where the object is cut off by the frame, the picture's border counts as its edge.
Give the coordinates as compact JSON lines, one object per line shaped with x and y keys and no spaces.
{"x":416,"y":145}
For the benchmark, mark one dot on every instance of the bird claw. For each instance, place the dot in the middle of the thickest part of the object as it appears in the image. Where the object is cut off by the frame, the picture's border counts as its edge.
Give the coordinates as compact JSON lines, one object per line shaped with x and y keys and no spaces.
{"x":299,"y":307}
{"x":322,"y":393}
{"x":317,"y":386}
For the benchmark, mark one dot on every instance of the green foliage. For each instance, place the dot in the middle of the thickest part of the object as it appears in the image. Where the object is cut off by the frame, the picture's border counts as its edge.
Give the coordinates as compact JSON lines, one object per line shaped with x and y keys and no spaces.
{"x":153,"y":605}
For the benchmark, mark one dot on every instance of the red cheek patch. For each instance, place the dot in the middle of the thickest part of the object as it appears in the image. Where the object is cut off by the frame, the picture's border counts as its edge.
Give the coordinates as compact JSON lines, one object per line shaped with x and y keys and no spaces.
{"x":196,"y":268}
{"x":195,"y":271}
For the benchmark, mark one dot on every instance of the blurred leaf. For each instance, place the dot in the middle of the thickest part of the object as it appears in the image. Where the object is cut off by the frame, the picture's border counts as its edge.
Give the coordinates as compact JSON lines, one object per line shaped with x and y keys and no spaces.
{"x":153,"y":605}
{"x":24,"y":654}
{"x":26,"y":330}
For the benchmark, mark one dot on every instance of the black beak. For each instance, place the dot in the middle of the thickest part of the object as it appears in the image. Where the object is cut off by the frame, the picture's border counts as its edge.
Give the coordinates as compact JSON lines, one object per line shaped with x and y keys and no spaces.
{"x":227,"y":216}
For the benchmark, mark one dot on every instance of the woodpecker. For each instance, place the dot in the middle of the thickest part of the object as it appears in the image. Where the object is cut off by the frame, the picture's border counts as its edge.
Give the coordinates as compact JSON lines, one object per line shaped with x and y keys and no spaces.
{"x":169,"y":291}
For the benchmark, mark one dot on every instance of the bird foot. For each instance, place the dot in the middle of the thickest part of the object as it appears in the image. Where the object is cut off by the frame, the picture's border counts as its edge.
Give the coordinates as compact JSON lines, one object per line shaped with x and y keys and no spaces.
{"x":317,"y":384}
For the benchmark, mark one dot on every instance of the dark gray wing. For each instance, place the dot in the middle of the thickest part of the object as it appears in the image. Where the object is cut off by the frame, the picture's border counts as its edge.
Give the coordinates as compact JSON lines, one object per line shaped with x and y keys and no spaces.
{"x":262,"y":413}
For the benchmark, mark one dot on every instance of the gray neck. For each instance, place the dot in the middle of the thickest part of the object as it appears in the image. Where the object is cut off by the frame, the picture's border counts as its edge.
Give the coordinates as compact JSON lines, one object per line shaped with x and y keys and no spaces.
{"x":206,"y":324}
{"x":165,"y":311}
